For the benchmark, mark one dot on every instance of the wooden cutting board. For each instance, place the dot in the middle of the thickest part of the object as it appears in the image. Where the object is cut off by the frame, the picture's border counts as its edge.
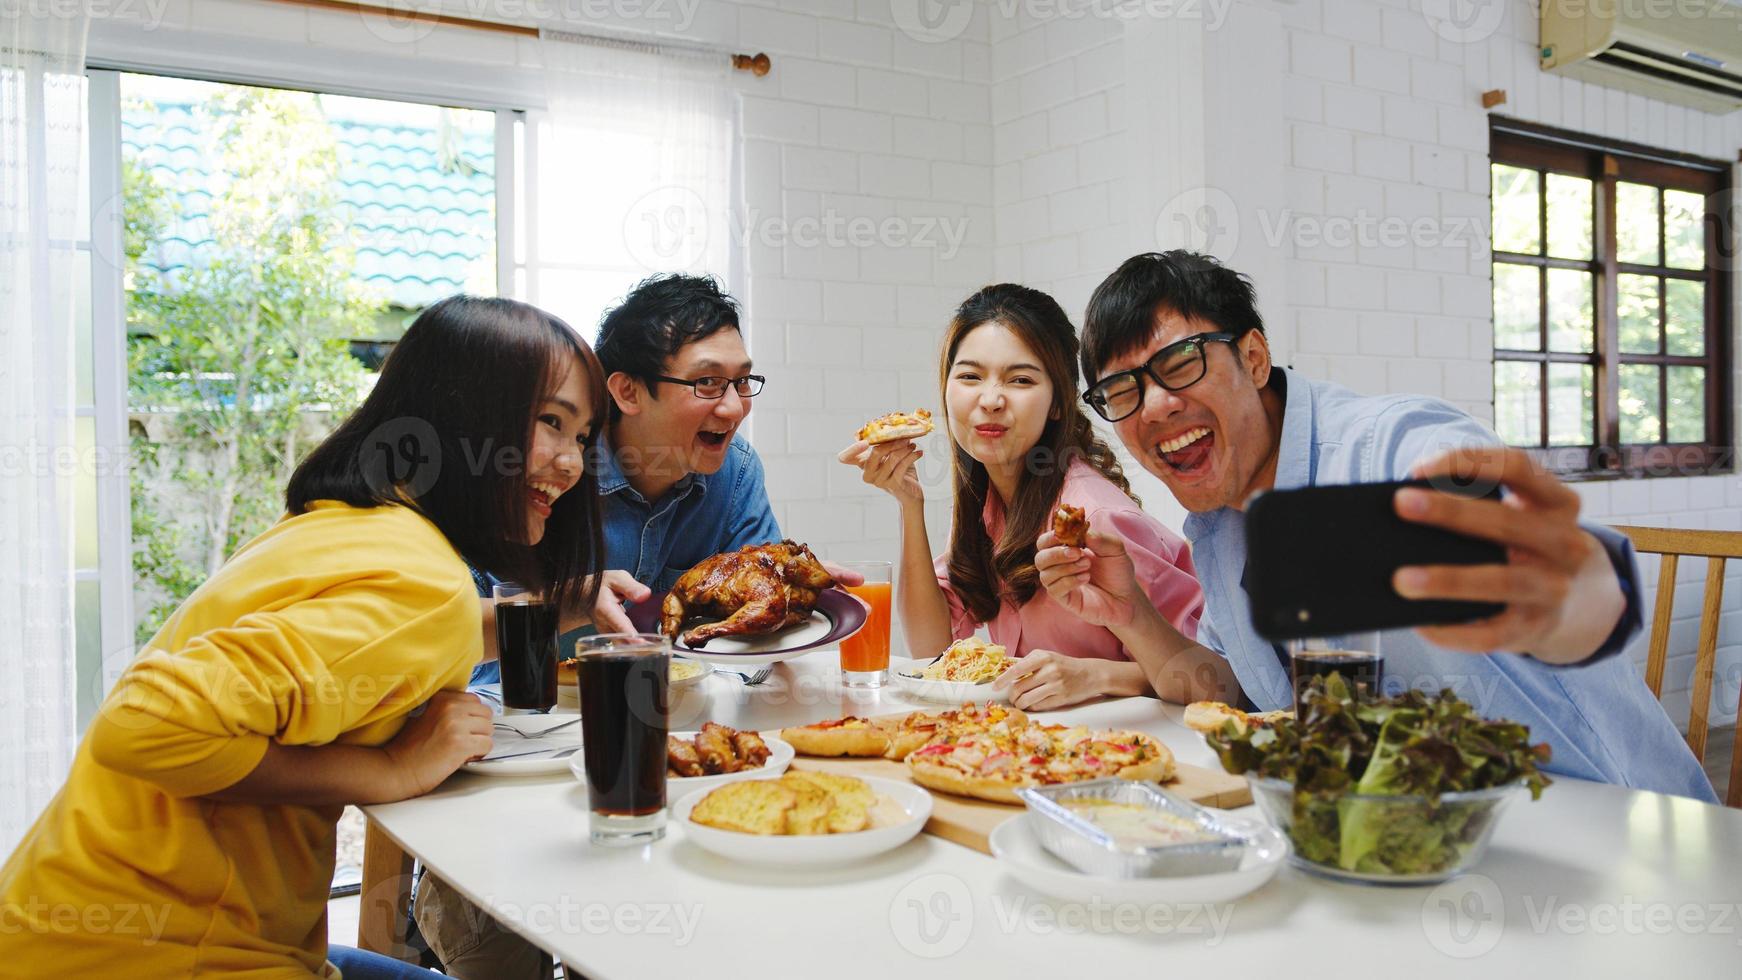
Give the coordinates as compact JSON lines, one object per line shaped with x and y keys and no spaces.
{"x":970,"y":822}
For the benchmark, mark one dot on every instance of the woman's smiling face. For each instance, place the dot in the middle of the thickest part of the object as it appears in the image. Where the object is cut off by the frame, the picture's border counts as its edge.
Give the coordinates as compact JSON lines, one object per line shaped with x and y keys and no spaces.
{"x":559,"y":441}
{"x":998,"y":396}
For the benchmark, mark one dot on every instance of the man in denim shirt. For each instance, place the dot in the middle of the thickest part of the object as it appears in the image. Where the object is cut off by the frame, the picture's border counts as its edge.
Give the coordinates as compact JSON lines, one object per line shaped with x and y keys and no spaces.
{"x":677,"y":484}
{"x":1183,"y":370}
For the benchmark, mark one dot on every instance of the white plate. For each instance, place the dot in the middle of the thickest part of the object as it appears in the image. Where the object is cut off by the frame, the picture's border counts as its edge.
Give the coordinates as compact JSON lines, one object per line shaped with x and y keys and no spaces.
{"x":906,"y":674}
{"x":569,"y":695}
{"x":1018,"y":850}
{"x":780,"y":755}
{"x":538,"y":765}
{"x":818,"y":849}
{"x":767,"y":648}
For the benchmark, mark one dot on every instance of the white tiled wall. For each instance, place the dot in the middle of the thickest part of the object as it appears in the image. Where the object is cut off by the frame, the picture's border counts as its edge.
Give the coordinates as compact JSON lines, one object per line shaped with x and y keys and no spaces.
{"x":1341,"y":159}
{"x":1333,"y":149}
{"x":1380,"y":76}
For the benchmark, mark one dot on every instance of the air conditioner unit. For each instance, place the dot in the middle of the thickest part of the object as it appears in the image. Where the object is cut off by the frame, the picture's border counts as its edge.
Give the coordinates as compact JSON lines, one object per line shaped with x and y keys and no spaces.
{"x":1685,"y":51}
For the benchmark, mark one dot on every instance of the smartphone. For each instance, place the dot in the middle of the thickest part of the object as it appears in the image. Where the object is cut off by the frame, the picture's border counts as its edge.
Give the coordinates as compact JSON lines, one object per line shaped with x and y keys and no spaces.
{"x":1319,"y":561}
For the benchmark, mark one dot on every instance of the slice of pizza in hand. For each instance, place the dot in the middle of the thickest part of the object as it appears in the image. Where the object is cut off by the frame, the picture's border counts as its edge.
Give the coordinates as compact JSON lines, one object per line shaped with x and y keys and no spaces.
{"x":1071,"y":526}
{"x":1209,"y":716}
{"x":896,"y":425}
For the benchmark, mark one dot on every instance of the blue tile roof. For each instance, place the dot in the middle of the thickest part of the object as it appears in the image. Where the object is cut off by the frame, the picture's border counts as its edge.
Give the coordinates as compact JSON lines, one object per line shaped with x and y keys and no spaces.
{"x":419,"y":193}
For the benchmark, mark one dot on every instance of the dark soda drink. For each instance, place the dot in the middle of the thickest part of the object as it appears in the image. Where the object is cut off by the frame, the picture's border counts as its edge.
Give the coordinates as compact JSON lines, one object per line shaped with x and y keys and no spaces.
{"x":526,"y":649}
{"x":625,"y":718}
{"x":1362,"y":671}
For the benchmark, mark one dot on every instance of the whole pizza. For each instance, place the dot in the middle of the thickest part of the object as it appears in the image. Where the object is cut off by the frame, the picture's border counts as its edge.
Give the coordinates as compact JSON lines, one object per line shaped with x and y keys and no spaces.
{"x":989,"y":751}
{"x":995,"y":763}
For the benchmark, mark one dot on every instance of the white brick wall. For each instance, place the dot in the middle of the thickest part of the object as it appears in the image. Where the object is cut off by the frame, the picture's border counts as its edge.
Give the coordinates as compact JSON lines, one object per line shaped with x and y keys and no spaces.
{"x":1424,"y":150}
{"x":1344,"y":136}
{"x":1381,"y":130}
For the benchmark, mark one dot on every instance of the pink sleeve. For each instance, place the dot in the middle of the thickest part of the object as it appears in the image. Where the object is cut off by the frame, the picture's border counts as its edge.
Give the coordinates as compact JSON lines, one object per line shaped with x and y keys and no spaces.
{"x":1163,"y":562}
{"x":962,"y":625}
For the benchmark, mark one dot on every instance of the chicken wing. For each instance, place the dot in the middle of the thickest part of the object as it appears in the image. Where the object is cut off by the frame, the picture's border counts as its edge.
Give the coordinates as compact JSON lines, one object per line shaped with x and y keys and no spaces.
{"x":681,"y":758}
{"x":714,"y":745}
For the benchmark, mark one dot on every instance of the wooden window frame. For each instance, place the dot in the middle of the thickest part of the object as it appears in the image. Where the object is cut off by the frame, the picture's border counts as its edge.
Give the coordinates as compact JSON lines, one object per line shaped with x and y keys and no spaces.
{"x":1605,"y":163}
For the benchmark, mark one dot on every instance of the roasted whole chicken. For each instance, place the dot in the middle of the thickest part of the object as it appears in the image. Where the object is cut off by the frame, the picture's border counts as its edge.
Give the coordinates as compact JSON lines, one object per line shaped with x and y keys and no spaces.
{"x":757,"y":589}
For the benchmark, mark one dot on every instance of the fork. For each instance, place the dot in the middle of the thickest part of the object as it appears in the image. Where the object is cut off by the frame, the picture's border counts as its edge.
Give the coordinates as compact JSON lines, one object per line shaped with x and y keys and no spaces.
{"x":538,"y":734}
{"x":751,"y":680}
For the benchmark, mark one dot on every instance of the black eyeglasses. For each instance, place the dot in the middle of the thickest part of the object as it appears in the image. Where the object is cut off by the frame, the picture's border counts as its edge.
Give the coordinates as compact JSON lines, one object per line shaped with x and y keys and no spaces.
{"x":1178,"y":365}
{"x":715,"y":387}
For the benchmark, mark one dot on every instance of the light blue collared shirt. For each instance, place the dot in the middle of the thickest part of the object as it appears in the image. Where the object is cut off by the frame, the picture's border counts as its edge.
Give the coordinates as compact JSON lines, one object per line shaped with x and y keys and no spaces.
{"x":1599,"y":717}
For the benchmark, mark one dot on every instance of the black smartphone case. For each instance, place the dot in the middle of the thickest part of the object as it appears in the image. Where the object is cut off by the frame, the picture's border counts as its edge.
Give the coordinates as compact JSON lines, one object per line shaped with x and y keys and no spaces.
{"x":1319,"y":561}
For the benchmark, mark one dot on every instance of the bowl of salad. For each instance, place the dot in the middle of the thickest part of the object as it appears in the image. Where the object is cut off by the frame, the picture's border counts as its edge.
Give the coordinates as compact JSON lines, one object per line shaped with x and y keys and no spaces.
{"x":1403,"y":790}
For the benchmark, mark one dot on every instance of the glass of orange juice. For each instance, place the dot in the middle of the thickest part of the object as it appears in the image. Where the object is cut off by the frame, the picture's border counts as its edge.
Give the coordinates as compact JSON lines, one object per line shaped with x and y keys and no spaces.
{"x":865,"y":654}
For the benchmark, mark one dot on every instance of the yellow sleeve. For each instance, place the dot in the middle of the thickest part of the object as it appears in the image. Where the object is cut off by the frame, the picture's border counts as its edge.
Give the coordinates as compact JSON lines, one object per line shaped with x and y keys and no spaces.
{"x":196,"y":720}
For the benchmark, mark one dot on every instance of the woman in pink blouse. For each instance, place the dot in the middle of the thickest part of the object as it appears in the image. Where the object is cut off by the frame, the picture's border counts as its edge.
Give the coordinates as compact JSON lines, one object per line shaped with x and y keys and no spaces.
{"x":1021,"y":445}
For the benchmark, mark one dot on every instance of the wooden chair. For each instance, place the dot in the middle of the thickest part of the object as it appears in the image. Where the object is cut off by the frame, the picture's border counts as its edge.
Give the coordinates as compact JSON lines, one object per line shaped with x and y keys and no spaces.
{"x":386,"y":900}
{"x":1715,"y":547}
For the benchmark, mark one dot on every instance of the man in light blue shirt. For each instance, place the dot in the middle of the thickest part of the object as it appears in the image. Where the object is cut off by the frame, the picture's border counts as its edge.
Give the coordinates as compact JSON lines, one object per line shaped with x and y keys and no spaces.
{"x":1183,"y":370}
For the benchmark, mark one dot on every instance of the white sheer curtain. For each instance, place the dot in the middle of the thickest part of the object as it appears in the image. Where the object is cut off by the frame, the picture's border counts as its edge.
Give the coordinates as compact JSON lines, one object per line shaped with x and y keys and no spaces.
{"x":633,"y":174}
{"x":42,"y":143}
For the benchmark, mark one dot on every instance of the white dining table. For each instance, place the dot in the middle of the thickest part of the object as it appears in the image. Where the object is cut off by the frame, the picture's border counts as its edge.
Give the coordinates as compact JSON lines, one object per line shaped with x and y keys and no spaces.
{"x":1589,"y":881}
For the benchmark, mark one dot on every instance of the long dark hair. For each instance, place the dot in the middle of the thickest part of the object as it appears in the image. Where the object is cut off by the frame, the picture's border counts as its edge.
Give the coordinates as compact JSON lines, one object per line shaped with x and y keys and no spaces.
{"x":981,"y":573}
{"x":447,"y":431}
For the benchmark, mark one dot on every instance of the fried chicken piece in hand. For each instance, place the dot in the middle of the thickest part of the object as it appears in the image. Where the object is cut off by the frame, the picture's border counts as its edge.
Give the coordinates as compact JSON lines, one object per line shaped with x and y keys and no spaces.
{"x":1070,"y":526}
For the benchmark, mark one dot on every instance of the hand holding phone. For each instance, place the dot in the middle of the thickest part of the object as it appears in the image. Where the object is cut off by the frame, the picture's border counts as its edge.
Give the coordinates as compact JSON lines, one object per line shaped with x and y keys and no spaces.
{"x":1320,"y":561}
{"x":1559,"y":586}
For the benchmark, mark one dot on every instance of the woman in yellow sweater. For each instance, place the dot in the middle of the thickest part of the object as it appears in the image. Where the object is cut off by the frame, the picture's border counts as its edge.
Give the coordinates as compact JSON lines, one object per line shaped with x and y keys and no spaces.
{"x":195,"y":835}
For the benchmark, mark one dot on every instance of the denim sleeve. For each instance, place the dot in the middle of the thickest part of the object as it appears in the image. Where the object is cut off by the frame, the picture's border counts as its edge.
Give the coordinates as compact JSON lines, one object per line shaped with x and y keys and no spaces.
{"x":1632,"y":621}
{"x":749,"y":517}
{"x":1426,"y":428}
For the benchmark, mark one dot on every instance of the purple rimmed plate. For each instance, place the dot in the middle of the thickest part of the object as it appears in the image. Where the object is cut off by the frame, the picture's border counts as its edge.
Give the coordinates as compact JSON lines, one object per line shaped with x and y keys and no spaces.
{"x":837,"y":616}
